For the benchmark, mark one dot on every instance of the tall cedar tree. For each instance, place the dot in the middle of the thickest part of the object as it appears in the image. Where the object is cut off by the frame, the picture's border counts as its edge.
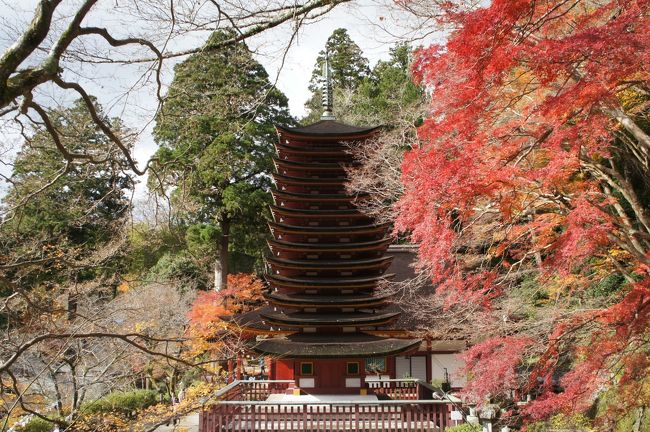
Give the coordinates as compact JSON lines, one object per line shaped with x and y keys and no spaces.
{"x":53,"y":230}
{"x":348,"y":65}
{"x":539,"y":118}
{"x":388,"y":96}
{"x":216,"y":133}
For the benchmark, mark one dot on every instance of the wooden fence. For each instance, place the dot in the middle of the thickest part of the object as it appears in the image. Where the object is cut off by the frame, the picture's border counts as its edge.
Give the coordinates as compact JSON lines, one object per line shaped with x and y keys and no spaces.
{"x":382,"y":416}
{"x":242,"y":407}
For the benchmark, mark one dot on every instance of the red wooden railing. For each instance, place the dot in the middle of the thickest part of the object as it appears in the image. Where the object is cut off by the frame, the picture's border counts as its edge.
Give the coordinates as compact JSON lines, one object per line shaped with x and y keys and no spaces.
{"x":252,"y":390}
{"x":397,"y":389}
{"x":378,"y":416}
{"x":242,"y":406}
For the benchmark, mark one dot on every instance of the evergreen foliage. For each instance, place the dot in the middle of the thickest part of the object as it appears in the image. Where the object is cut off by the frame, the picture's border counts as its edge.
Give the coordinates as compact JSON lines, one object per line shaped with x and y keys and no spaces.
{"x":60,"y":213}
{"x":384,"y":95}
{"x":216,"y":134}
{"x":125,"y":403}
{"x":387,"y":96}
{"x":348,"y":66}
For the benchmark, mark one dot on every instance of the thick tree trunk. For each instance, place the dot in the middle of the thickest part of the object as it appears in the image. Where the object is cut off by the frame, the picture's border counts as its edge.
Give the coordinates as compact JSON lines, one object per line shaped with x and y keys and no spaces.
{"x":221,"y":265}
{"x":629,"y":124}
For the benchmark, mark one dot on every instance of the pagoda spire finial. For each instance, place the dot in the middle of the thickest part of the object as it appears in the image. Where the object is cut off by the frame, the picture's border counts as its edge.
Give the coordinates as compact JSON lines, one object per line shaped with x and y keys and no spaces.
{"x":328,"y":94}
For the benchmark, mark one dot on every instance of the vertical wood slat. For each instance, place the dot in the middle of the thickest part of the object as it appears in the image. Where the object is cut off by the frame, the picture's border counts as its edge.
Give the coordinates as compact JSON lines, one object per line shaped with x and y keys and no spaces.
{"x":409,"y":417}
{"x":384,"y":417}
{"x":375,"y":418}
{"x":427,"y":418}
{"x":268,"y":414}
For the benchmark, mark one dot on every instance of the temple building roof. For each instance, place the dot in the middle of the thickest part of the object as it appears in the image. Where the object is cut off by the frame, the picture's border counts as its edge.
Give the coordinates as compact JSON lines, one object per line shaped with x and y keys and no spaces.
{"x":334,"y":345}
{"x":329,"y":128}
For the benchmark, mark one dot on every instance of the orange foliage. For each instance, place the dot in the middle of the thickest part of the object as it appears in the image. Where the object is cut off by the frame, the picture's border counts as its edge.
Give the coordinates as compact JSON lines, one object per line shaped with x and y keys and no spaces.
{"x":243,"y":293}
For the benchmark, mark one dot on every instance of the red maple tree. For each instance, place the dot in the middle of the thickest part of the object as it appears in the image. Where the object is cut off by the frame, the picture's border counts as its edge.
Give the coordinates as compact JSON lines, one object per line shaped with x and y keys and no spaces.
{"x":206,"y":325}
{"x":539,"y":120}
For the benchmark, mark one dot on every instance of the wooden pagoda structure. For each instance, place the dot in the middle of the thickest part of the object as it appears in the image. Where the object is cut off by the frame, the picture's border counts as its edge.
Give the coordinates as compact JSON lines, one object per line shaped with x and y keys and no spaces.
{"x":324,"y":319}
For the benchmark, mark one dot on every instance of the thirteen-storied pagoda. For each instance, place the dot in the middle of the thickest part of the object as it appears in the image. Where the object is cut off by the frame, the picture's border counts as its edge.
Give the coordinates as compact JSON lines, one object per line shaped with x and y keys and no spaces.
{"x":325,"y":325}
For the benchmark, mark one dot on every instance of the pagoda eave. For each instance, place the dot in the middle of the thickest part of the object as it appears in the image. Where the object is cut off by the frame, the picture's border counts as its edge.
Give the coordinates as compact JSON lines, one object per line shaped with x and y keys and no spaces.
{"x":318,"y":282}
{"x":313,"y":151}
{"x":318,"y":198}
{"x":328,"y":230}
{"x":320,"y":301}
{"x":310,"y":165}
{"x":333,"y":346}
{"x":343,"y":265}
{"x":302,"y":319}
{"x":325,"y":214}
{"x":378,"y":245}
{"x":327,"y":130}
{"x":306,"y":181}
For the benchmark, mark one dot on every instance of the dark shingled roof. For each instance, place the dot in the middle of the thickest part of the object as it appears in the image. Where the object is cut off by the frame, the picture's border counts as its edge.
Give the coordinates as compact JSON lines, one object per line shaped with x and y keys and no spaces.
{"x":335,"y":264}
{"x":334,"y":345}
{"x":339,"y":229}
{"x":401,"y":268}
{"x":316,"y":282}
{"x":337,"y":246}
{"x":329,"y":128}
{"x":331,"y":319}
{"x":338,"y":300}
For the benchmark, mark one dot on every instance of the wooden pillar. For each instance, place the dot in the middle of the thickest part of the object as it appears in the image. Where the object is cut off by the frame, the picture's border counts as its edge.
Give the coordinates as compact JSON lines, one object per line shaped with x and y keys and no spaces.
{"x":270,"y":368}
{"x":231,"y":370}
{"x":239,"y":366}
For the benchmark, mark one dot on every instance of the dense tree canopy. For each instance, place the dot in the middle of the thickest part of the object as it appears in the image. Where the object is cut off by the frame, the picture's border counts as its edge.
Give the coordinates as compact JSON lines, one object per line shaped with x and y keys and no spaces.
{"x":216,"y":135}
{"x":348,"y":67}
{"x":538,"y":125}
{"x":63,"y":216}
{"x":387,"y":97}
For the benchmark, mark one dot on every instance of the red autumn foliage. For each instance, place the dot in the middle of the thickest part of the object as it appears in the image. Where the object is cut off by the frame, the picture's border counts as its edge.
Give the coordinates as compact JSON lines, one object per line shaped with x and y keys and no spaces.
{"x":496,"y":360}
{"x":538,"y":117}
{"x":244,"y":290}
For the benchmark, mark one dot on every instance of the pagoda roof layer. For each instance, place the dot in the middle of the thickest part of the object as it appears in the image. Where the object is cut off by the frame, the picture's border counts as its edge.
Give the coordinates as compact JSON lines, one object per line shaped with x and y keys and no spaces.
{"x":329,"y":230}
{"x":330,"y":247}
{"x":310,"y":145}
{"x":338,"y":151}
{"x":325,"y":300}
{"x":315,"y":197}
{"x":321,"y":213}
{"x":328,"y":128}
{"x":302,"y":319}
{"x":310,"y":165}
{"x":321,"y":181}
{"x":326,"y":283}
{"x":342,"y":264}
{"x":338,"y":345}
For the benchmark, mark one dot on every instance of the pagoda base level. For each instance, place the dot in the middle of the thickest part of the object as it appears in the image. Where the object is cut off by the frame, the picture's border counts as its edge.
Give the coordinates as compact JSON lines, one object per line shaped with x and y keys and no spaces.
{"x":316,"y":345}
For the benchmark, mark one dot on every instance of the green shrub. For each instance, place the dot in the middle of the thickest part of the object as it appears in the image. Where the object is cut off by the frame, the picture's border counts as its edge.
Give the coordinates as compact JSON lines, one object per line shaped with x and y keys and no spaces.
{"x":561,"y":423}
{"x":465,"y":427}
{"x":608,"y":285}
{"x":124,"y":403}
{"x":36,"y":424}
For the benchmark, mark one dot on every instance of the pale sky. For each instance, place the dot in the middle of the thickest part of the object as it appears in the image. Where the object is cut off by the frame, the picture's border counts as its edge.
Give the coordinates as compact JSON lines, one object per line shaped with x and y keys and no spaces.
{"x":109,"y":83}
